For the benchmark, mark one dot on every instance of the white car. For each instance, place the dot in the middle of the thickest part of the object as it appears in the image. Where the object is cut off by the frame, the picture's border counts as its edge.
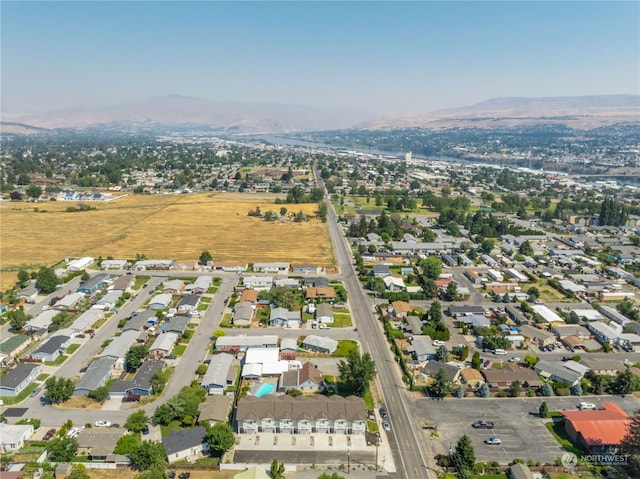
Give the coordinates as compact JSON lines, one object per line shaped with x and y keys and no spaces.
{"x":103,"y":423}
{"x":437,"y":343}
{"x":587,"y":406}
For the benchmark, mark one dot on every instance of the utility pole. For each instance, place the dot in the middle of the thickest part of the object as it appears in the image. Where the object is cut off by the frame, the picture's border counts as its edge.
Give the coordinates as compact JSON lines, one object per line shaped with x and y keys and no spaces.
{"x":348,"y":461}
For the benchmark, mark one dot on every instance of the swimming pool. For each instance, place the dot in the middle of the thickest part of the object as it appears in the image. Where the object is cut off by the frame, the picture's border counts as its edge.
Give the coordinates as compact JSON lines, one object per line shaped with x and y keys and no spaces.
{"x":264,"y":389}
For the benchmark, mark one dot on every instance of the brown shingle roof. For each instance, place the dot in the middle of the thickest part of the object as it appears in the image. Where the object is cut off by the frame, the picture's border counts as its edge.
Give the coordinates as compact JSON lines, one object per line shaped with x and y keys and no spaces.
{"x":321,"y":292}
{"x":309,"y":372}
{"x":314,"y":407}
{"x":250,"y":295}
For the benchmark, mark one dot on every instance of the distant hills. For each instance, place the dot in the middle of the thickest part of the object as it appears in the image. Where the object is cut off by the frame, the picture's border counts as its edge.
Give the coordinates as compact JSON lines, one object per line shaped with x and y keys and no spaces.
{"x":177,"y":110}
{"x":581,"y":112}
{"x":578,"y":112}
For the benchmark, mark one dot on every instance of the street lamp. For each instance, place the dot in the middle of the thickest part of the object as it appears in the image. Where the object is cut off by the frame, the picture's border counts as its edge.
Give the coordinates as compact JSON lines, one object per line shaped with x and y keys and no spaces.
{"x":348,"y":461}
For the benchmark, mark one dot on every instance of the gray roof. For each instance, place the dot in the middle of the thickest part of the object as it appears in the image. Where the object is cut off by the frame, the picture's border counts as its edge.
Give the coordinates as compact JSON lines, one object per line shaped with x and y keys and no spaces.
{"x":557,"y":370}
{"x":178,"y":324}
{"x":414,"y":324}
{"x":215,"y":408}
{"x":320,"y":342}
{"x":244,"y":341}
{"x":432,"y":368}
{"x":137,"y":321}
{"x":242,"y":311}
{"x":120,"y":345}
{"x":422,"y":346}
{"x":217,"y":371}
{"x":304,"y":407}
{"x":96,"y":375}
{"x":324,"y":309}
{"x":16,"y":376}
{"x":53,"y":344}
{"x":189,"y":300}
{"x":284,"y":314}
{"x":184,"y":439}
{"x":93,"y":282}
{"x":141,"y":380}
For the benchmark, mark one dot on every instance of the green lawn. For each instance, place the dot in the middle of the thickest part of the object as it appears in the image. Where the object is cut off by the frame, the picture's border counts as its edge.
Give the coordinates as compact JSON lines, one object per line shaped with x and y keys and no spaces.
{"x":172,"y":426}
{"x":179,"y":349}
{"x":42,"y":377}
{"x":368,"y":400}
{"x":560,"y":435}
{"x":72,"y":348}
{"x":20,"y":397}
{"x":140,"y":280}
{"x":99,"y":323}
{"x":202,"y":307}
{"x":344,"y":347}
{"x":341,"y":320}
{"x":59,"y":360}
{"x":212,"y":290}
{"x":225,"y":322}
{"x":372,"y":426}
{"x":205,"y":300}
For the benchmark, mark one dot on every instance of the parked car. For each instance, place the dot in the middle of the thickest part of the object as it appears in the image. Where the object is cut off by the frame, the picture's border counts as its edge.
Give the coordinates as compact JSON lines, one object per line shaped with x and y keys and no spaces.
{"x":145,"y":430}
{"x":171,"y":356}
{"x":103,"y":423}
{"x":493,"y":440}
{"x":386,"y":426}
{"x":131,"y":398}
{"x":586,"y":406}
{"x":483,"y":425}
{"x":437,"y":343}
{"x":383,"y":412}
{"x":35,"y":392}
{"x":323,"y":326}
{"x":50,"y":433}
{"x":514,"y":360}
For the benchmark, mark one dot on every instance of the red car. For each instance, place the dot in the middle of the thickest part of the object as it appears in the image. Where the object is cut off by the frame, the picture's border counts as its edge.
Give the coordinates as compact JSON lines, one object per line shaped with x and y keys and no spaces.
{"x":50,"y":433}
{"x":131,"y":398}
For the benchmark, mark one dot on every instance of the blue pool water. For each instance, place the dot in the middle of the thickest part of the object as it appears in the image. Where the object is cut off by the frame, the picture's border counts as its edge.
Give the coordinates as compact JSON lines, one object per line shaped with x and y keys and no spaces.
{"x":264,"y":389}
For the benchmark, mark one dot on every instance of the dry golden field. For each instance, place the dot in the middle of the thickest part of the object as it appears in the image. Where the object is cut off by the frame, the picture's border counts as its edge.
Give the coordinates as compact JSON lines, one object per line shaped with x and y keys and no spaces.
{"x":177,"y":227}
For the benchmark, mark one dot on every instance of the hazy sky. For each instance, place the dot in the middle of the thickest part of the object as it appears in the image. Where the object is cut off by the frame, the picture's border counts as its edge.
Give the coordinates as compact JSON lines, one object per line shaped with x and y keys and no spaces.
{"x":383,"y":57}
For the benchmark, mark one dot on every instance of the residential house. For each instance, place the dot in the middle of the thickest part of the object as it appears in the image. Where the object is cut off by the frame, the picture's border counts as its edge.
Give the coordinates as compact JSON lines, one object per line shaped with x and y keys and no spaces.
{"x":87,"y":319}
{"x":199,"y":286}
{"x":324,"y":313}
{"x":520,"y":471}
{"x":305,"y":269}
{"x":380,"y":270}
{"x":178,"y":325}
{"x":188,"y":303}
{"x":29,"y":294}
{"x":173,"y":287}
{"x":95,"y":376}
{"x":398,"y":309}
{"x":288,"y":345}
{"x":186,"y":444}
{"x":284,"y":318}
{"x":242,"y":313}
{"x":505,"y":377}
{"x":163,"y":345}
{"x":118,"y":347}
{"x":320,"y":344}
{"x":261,"y":283}
{"x":565,"y":330}
{"x":456,"y":311}
{"x":314,"y":292}
{"x":79,"y":264}
{"x":266,"y":362}
{"x":113,"y":264}
{"x":603,"y":332}
{"x":160,"y":301}
{"x":317,"y":281}
{"x":231,"y":267}
{"x":301,"y":415}
{"x":432,"y":368}
{"x":19,"y":378}
{"x":52,"y":348}
{"x":68,"y":301}
{"x":556,"y":371}
{"x":392,"y":283}
{"x":471,"y":377}
{"x":538,"y":336}
{"x":141,"y":384}
{"x":474,"y":321}
{"x":307,"y":379}
{"x":250,"y":295}
{"x":215,"y":409}
{"x":600,"y":431}
{"x":13,"y":437}
{"x":413,"y":325}
{"x":242,"y":342}
{"x":110,"y":300}
{"x":139,"y":320}
{"x":93,"y":284}
{"x":546,"y":314}
{"x":217,"y":378}
{"x":290,"y":283}
{"x":159,"y":264}
{"x":421,"y":348}
{"x":271,"y":267}
{"x":98,"y":443}
{"x":42,"y":321}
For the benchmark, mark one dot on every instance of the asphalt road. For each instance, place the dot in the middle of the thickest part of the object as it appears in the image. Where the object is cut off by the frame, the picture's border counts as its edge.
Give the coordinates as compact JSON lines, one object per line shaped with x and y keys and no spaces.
{"x":405,"y":444}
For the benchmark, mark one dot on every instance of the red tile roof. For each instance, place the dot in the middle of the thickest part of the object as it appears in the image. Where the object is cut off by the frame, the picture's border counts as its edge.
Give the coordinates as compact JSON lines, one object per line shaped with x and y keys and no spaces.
{"x":606,"y":426}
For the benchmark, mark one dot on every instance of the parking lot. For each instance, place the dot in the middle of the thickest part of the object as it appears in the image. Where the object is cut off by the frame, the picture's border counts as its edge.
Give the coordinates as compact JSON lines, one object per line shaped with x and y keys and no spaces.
{"x":522,"y":432}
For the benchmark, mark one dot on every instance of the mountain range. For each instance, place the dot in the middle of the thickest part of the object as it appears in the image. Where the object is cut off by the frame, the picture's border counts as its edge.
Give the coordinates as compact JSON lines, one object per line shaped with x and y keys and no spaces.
{"x":175,"y":110}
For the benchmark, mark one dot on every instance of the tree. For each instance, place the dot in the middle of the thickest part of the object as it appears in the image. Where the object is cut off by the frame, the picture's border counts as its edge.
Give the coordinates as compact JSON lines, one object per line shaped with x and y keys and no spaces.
{"x":156,"y":472}
{"x":622,"y":384}
{"x":326,"y":475}
{"x":158,"y":382}
{"x":546,"y":390}
{"x":219,"y":333}
{"x":283,"y":297}
{"x":277,"y":469}
{"x":137,"y":422}
{"x":464,"y":453}
{"x":62,"y":449}
{"x":515,"y":389}
{"x":459,"y":392}
{"x":432,"y":267}
{"x":576,"y":389}
{"x":442,"y":354}
{"x":487,"y":245}
{"x":79,"y":472}
{"x":17,"y":318}
{"x":127,"y":444}
{"x":34,"y":191}
{"x":534,"y":293}
{"x":85,"y":276}
{"x":441,"y":385}
{"x":485,"y":392}
{"x":476,"y":362}
{"x":630,"y":446}
{"x":435,"y":312}
{"x":100,"y":394}
{"x":451,"y":294}
{"x":133,"y":358}
{"x":526,"y":249}
{"x":205,"y":257}
{"x":23,"y":277}
{"x":147,"y":455}
{"x":58,"y":389}
{"x":357,"y":372}
{"x":543,"y":411}
{"x":220,"y":438}
{"x":323,"y":210}
{"x":47,"y":280}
